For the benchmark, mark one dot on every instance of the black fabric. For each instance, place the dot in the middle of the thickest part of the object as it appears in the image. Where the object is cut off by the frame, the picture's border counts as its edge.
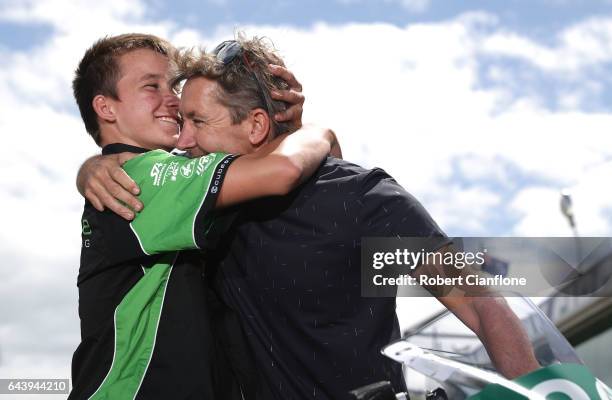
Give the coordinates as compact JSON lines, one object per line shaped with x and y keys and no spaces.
{"x":208,"y":229}
{"x":108,"y":240}
{"x":234,"y":371}
{"x":115,"y":148}
{"x":291,"y":268}
{"x":111,"y":243}
{"x":184,"y":359}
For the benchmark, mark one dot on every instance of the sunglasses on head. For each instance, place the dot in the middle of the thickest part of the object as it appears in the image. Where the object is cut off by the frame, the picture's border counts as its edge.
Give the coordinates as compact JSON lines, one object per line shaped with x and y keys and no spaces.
{"x":228,"y":51}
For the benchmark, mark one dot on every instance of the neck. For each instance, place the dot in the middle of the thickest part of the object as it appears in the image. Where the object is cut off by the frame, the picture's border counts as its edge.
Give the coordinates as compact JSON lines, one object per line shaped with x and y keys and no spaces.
{"x":109,"y":134}
{"x":262,"y":144}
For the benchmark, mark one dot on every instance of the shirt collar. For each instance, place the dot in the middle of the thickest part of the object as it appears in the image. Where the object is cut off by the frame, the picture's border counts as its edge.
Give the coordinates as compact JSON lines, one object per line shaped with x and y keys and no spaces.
{"x":115,"y":148}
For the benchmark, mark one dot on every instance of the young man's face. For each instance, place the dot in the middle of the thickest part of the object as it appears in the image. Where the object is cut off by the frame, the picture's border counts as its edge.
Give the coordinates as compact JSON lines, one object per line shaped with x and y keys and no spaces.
{"x":147,"y":109}
{"x":207,"y":125}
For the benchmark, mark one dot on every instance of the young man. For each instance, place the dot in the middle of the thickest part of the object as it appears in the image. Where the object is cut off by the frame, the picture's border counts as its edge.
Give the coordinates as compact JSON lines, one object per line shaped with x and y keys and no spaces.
{"x":144,"y":316}
{"x":291,"y":266}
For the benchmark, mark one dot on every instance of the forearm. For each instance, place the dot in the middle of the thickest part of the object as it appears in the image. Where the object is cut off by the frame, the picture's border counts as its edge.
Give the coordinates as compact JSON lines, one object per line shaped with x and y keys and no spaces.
{"x":504,"y":337}
{"x":306,"y":149}
{"x":277,"y":168}
{"x":254,"y":175}
{"x":489,"y":317}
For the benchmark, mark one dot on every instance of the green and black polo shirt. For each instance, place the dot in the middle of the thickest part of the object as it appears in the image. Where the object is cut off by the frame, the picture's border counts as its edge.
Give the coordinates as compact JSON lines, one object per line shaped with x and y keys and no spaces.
{"x":145,"y":332}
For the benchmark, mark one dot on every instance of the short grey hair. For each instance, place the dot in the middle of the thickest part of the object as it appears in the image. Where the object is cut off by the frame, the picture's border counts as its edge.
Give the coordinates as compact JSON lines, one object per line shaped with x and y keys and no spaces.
{"x":239,"y":90}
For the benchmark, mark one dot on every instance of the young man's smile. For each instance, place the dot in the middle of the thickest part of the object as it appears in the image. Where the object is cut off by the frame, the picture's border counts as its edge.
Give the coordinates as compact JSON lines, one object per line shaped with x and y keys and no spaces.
{"x":170,"y":121}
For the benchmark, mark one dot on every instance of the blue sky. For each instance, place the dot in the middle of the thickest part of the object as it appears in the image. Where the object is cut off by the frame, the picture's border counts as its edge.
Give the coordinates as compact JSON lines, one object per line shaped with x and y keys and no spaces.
{"x":539,"y":19}
{"x":484,"y":110}
{"x":536,"y":18}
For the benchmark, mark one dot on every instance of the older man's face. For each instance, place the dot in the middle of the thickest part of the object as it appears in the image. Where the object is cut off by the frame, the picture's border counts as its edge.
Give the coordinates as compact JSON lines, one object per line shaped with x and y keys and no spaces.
{"x":207,"y":125}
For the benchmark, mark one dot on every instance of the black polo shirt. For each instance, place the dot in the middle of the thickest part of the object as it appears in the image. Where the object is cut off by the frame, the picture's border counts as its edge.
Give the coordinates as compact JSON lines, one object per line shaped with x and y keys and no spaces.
{"x":291,"y":268}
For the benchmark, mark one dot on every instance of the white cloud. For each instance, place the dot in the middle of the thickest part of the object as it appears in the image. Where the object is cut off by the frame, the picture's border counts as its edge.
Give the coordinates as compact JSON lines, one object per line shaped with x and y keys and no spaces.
{"x":482,"y":167}
{"x":585,"y":44}
{"x":407,"y":99}
{"x":468,"y":211}
{"x":538,"y":207}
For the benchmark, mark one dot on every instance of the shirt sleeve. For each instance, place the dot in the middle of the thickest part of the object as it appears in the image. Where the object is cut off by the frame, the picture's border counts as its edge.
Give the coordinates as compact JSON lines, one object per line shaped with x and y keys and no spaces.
{"x":179,"y":196}
{"x":390,"y":211}
{"x":392,"y":219}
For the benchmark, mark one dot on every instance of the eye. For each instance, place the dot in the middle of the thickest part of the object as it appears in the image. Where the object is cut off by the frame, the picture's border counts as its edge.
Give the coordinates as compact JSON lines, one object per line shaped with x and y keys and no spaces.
{"x":152,"y":85}
{"x":198,"y":122}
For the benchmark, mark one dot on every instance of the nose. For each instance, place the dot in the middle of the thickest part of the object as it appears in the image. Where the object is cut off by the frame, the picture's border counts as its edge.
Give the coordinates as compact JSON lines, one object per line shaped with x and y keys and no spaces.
{"x":172,"y":102}
{"x":186,"y":139}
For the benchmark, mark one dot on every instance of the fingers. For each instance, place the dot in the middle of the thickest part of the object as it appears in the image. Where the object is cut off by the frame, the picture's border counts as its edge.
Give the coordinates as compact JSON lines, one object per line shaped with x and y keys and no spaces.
{"x":289,"y":96}
{"x":117,"y":188}
{"x":94,"y":200}
{"x":292,"y":114}
{"x":123,"y":179}
{"x":119,"y":209}
{"x":286,"y":75}
{"x":293,"y":97}
{"x":110,"y":194}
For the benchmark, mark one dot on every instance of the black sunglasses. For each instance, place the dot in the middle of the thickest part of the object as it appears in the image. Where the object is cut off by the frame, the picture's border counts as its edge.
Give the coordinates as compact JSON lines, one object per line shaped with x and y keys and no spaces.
{"x":228,"y":51}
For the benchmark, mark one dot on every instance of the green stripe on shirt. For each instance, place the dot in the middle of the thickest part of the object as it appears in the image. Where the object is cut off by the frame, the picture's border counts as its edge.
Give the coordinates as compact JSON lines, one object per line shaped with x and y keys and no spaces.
{"x":136,"y":322}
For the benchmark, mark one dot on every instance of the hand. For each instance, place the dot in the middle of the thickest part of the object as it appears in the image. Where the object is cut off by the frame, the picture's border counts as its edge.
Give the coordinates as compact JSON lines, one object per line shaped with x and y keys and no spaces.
{"x":105,"y":184}
{"x":293,"y":96}
{"x":336,"y":150}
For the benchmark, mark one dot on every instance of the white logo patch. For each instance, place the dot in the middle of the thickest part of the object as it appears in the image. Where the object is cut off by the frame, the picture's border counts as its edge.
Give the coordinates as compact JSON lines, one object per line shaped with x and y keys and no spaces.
{"x":172,"y":171}
{"x":187,"y":169}
{"x":157,"y":172}
{"x":202,"y":164}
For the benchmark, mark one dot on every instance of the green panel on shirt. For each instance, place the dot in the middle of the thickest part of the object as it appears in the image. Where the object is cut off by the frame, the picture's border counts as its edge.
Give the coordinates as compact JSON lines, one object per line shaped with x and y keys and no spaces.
{"x":174,"y":190}
{"x":136,"y":322}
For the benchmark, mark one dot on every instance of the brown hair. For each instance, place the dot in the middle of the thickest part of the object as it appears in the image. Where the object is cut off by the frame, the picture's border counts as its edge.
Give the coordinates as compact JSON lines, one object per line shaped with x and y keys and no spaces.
{"x":98,"y":71}
{"x":240,"y":92}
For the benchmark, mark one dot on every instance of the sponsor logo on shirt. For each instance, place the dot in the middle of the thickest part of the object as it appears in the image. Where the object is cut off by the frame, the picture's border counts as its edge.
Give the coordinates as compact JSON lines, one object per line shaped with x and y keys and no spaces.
{"x":202,"y":164}
{"x":157,"y":172}
{"x":188,"y":169}
{"x":164,"y":171}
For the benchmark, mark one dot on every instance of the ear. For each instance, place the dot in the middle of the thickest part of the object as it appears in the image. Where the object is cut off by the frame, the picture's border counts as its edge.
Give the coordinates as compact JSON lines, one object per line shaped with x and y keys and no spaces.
{"x":260,"y":127}
{"x":104,"y":108}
